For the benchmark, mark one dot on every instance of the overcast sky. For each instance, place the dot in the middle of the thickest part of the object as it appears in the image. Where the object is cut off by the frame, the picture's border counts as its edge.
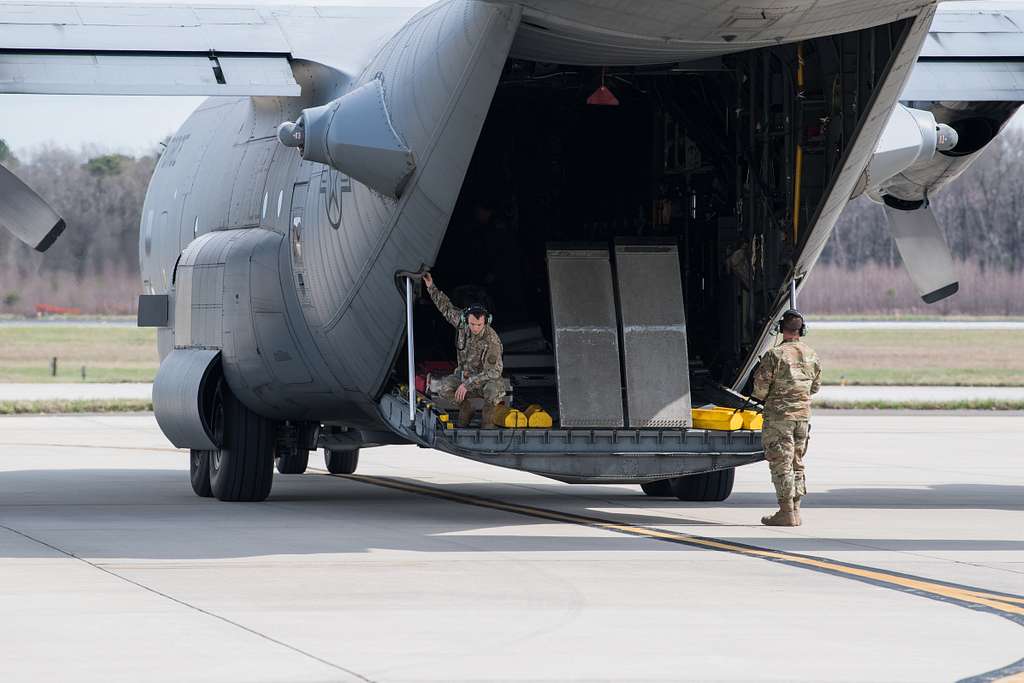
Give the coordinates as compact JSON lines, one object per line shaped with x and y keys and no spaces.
{"x":130,"y":125}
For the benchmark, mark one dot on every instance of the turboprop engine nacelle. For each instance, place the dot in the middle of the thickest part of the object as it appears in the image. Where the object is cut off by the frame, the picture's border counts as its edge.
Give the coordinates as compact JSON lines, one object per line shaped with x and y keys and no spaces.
{"x":354,"y":135}
{"x":915,"y":158}
{"x":911,"y":138}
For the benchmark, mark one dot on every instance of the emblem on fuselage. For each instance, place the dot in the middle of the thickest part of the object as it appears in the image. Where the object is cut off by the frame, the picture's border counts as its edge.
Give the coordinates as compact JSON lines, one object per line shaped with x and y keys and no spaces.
{"x":333,"y":184}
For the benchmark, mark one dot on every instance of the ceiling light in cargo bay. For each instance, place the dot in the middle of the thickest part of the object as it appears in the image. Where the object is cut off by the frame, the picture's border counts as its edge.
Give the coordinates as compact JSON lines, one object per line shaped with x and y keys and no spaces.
{"x":603,"y":96}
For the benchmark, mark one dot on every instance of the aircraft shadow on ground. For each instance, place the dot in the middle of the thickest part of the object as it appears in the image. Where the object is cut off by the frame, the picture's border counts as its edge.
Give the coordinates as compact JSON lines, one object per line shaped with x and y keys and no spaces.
{"x":153,"y":514}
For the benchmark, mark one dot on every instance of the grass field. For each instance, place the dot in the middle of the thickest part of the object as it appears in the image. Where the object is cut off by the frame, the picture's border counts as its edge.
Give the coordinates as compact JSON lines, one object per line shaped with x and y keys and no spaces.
{"x":921,"y":357}
{"x":109,"y":354}
{"x":928,"y":357}
{"x":63,"y":407}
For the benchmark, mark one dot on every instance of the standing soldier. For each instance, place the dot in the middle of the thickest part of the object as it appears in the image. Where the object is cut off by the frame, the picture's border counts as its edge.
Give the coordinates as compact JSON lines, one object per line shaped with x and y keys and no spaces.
{"x":785,"y":379}
{"x":479,"y":350}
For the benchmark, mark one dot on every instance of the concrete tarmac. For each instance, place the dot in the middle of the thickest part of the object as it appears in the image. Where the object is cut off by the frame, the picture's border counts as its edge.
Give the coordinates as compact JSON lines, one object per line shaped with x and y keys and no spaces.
{"x":112,"y":570}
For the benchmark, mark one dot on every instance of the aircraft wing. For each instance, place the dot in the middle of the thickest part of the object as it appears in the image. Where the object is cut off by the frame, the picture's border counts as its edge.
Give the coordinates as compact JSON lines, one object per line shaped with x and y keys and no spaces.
{"x":111,"y":49}
{"x":143,"y":50}
{"x":972,"y":54}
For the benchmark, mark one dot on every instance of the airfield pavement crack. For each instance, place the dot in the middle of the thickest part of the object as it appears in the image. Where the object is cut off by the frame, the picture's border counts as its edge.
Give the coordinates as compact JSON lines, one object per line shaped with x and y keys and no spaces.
{"x":189,"y":605}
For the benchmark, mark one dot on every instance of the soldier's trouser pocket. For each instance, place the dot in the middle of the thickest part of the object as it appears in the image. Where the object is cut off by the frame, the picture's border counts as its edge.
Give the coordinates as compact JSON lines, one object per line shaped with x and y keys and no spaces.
{"x":801,"y":432}
{"x":779,"y":440}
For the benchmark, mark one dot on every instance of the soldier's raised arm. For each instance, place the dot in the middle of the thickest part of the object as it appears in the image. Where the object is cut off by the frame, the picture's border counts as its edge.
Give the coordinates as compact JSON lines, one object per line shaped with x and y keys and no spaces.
{"x":442,"y":302}
{"x":763,"y":376}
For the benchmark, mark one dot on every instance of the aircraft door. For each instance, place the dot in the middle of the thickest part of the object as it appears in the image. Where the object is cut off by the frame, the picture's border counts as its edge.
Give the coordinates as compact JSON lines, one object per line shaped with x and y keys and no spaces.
{"x":296,"y":240}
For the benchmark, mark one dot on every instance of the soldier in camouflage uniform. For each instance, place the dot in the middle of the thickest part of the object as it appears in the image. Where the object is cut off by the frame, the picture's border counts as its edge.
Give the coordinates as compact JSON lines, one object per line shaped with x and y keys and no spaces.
{"x":784,"y":380}
{"x":479,"y":350}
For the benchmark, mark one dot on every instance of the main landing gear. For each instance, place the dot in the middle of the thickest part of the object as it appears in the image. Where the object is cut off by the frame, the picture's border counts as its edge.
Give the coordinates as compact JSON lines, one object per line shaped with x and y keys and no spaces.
{"x":242,"y":469}
{"x":704,"y":488}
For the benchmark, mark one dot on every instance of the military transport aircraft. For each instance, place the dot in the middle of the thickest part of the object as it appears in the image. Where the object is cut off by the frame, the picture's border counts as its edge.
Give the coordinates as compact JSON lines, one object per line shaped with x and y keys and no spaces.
{"x":637,"y":190}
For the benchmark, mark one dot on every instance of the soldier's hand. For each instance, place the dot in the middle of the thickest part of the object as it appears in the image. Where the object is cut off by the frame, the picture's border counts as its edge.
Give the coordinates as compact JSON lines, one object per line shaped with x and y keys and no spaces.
{"x":428,"y":280}
{"x":460,"y":393}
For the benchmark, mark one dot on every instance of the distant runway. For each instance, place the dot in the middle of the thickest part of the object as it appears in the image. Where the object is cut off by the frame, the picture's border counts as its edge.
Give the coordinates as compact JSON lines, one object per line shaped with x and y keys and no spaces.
{"x":910,"y":565}
{"x":38,"y":322}
{"x":75,"y":391}
{"x":915,"y":325}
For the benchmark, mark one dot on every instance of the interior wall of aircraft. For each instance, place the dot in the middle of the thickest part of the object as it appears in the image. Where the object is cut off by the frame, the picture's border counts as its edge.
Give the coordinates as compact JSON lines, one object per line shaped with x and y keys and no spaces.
{"x":728,"y":159}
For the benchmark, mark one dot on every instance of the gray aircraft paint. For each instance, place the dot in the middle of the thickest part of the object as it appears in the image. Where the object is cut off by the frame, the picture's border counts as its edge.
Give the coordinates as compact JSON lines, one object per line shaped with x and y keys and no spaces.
{"x":310,"y":330}
{"x":324,"y":316}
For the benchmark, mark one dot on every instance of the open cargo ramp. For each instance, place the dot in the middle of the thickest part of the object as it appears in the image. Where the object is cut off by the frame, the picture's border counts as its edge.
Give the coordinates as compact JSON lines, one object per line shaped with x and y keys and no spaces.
{"x":580,"y":456}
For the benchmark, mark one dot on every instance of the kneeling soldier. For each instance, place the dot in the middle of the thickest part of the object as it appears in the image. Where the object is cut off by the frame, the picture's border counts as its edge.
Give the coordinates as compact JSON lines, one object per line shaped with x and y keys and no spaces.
{"x":785,"y":379}
{"x":478,"y":374}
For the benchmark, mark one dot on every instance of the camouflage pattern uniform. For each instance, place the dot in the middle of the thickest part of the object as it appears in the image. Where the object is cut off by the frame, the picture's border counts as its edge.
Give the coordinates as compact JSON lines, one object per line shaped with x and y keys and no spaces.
{"x":479,"y":356}
{"x":785,"y":379}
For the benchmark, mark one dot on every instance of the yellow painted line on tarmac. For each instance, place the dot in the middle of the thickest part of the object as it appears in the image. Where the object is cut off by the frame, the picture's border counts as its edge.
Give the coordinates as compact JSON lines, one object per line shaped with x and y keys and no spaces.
{"x":1008,"y":605}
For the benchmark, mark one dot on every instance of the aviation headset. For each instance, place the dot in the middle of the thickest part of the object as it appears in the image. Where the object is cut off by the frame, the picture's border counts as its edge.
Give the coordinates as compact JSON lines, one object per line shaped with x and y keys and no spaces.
{"x":791,"y":313}
{"x":476,"y":310}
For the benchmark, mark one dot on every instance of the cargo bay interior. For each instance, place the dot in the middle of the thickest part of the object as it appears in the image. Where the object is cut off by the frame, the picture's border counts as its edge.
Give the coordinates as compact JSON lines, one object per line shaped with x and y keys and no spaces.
{"x":727,"y":160}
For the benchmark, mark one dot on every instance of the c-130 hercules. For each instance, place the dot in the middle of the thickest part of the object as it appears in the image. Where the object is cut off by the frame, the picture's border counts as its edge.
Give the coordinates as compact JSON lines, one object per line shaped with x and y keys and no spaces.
{"x":651,"y":243}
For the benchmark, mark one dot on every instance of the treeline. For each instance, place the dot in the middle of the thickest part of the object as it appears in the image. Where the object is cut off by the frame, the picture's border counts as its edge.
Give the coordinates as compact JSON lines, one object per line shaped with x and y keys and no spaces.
{"x":100,"y":198}
{"x":94,"y":265}
{"x":981,"y":213}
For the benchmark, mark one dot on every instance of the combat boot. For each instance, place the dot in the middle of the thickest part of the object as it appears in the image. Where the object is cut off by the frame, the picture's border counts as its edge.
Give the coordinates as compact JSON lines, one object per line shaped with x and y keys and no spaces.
{"x":465,"y":414}
{"x":784,"y":517}
{"x":796,"y":511}
{"x":487,"y":416}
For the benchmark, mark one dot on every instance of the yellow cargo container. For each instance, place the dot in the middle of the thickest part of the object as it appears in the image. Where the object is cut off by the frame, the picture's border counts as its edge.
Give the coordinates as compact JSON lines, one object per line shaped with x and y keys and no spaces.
{"x":537,"y":417}
{"x":722,"y":419}
{"x":752,"y":419}
{"x":510,"y":418}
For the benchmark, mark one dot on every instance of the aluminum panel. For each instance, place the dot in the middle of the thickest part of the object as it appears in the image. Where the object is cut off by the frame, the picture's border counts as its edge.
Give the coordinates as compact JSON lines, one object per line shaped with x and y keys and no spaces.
{"x":586,"y":338}
{"x":178,"y":391}
{"x":653,"y":335}
{"x":965,"y":80}
{"x":145,"y":74}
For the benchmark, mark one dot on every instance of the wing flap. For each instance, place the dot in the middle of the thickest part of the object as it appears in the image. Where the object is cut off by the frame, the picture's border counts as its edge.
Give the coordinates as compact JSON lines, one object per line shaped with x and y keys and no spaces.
{"x":75,"y":73}
{"x":139,"y":28}
{"x":966,"y":81}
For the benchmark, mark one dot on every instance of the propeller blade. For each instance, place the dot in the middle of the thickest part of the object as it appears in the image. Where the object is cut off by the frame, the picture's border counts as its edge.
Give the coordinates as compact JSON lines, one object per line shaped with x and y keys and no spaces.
{"x":924,"y":251}
{"x":27,"y":215}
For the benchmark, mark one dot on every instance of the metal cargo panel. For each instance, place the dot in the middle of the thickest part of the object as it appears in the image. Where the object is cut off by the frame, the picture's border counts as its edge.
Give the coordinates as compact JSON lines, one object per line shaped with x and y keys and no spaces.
{"x":586,"y":338}
{"x":653,"y":335}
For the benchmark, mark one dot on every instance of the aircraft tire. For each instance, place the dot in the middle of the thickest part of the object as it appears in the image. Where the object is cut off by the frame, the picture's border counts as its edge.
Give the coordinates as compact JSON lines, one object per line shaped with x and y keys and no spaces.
{"x":291,"y":460}
{"x":199,"y":472}
{"x":705,"y":488}
{"x":341,"y":462}
{"x":243,"y":468}
{"x":658,"y":489}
